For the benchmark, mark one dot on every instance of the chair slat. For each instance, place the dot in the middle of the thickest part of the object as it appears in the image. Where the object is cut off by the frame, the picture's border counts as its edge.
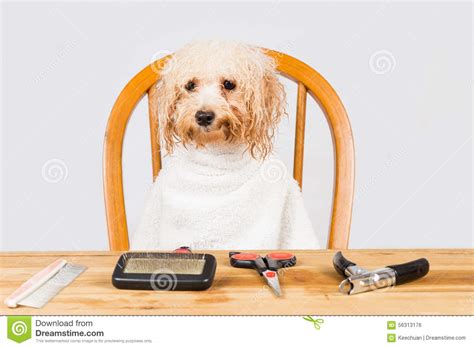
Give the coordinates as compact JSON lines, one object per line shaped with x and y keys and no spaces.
{"x":154,"y":133}
{"x":299,"y":134}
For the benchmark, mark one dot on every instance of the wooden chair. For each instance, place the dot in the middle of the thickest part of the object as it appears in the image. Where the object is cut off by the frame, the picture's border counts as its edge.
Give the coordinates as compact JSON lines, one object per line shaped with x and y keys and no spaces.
{"x":308,"y":80}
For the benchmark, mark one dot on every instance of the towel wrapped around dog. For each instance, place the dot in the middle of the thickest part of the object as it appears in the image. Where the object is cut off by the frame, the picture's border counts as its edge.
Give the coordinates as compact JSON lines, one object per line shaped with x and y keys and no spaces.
{"x":219,"y":197}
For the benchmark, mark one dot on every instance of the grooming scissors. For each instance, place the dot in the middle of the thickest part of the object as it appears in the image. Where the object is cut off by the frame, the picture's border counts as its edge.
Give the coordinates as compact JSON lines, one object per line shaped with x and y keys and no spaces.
{"x":267,"y":266}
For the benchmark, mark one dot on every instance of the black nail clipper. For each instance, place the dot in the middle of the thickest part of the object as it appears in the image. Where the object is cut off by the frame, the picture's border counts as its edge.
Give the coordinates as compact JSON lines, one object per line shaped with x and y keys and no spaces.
{"x":360,"y":280}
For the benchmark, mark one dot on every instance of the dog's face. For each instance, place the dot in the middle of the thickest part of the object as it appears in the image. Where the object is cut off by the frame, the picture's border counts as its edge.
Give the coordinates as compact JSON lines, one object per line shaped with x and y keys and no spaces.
{"x":213,"y":92}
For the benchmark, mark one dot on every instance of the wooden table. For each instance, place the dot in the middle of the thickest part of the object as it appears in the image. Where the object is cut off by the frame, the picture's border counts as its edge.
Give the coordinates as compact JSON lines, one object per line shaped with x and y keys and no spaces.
{"x":311,"y":287}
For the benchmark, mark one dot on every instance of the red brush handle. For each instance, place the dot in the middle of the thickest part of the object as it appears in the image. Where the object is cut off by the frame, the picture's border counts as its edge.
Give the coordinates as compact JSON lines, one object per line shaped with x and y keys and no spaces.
{"x":183,"y":250}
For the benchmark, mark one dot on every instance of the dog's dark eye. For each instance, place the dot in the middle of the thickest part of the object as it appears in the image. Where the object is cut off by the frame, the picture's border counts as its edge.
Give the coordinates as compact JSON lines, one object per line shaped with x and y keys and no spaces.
{"x":190,"y":86}
{"x":229,"y":85}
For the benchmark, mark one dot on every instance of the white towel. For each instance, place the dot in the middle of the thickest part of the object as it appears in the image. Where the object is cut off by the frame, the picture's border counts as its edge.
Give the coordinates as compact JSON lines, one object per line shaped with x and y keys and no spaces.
{"x":219,"y":197}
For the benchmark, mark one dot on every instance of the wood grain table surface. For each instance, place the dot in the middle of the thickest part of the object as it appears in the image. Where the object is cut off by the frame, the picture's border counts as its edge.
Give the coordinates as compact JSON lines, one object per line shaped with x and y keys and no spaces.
{"x":311,"y":287}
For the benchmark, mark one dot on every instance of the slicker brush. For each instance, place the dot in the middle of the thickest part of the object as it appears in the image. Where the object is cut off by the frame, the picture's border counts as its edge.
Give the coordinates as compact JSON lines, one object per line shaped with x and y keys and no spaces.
{"x":179,"y":270}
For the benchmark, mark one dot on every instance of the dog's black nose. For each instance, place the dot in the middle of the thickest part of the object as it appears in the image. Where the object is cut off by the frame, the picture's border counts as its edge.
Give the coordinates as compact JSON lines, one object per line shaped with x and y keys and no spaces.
{"x":204,"y":118}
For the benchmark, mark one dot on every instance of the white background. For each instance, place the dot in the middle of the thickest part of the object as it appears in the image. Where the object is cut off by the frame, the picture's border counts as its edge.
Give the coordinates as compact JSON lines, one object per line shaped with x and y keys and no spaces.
{"x":255,"y":331}
{"x":63,"y":65}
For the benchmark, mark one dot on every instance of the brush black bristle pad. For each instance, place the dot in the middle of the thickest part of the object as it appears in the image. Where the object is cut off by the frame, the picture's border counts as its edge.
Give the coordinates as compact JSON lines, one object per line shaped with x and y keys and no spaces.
{"x":164,"y":271}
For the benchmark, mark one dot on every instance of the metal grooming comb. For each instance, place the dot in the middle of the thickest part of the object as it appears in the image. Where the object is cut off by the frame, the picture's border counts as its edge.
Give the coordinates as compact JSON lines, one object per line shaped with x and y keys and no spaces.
{"x":44,"y":285}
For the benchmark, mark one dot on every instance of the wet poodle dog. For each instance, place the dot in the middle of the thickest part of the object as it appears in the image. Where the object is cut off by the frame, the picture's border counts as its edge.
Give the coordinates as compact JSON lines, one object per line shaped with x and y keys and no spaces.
{"x":218,"y":105}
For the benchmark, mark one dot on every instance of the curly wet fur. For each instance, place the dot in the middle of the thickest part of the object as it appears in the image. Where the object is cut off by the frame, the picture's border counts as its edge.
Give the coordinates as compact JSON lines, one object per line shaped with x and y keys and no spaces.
{"x":248,"y":114}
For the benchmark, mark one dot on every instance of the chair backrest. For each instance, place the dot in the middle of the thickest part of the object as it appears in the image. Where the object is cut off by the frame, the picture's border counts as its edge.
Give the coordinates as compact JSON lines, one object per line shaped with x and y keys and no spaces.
{"x":309,"y":82}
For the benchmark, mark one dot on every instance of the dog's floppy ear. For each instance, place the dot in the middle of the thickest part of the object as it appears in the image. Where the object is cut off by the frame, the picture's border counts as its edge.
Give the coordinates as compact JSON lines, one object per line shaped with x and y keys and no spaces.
{"x":266,"y":105}
{"x":163,"y":105}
